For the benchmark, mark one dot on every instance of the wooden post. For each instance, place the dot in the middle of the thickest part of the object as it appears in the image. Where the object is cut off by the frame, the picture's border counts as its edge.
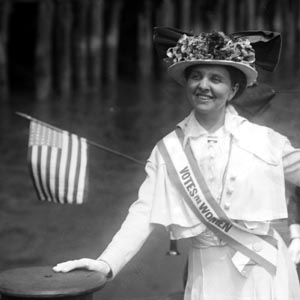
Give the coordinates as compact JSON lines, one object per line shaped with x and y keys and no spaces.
{"x":43,"y":54}
{"x":95,"y":42}
{"x":112,"y":40}
{"x":80,"y":44}
{"x":41,"y":283}
{"x":4,"y":17}
{"x":145,"y":59}
{"x":63,"y":23}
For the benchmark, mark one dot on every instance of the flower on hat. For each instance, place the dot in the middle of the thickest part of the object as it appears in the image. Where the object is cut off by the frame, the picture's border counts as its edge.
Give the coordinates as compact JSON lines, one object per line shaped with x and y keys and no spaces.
{"x":211,"y":46}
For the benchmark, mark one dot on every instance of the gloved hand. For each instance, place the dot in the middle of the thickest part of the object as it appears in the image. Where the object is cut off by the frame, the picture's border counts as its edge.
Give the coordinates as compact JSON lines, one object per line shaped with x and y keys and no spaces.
{"x":83,"y":263}
{"x":294,"y":250}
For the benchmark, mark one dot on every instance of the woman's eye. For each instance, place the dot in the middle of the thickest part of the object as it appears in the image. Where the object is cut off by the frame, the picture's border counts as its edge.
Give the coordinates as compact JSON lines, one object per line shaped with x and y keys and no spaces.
{"x":216,"y":79}
{"x":195,"y":76}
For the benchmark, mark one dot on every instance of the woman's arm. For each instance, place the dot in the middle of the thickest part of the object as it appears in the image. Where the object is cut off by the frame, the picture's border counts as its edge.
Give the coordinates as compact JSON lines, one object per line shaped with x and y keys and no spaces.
{"x":129,"y":239}
{"x":291,"y":164}
{"x":294,"y":224}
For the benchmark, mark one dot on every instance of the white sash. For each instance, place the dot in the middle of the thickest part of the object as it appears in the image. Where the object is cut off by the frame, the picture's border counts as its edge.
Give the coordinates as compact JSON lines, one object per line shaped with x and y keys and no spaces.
{"x":187,"y":177}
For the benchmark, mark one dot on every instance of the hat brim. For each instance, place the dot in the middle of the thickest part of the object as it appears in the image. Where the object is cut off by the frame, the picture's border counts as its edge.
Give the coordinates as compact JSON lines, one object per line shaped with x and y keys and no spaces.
{"x":177,"y":70}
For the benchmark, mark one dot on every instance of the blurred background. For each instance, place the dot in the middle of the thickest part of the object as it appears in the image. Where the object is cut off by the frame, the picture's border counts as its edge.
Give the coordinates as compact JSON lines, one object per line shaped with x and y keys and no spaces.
{"x":89,"y":67}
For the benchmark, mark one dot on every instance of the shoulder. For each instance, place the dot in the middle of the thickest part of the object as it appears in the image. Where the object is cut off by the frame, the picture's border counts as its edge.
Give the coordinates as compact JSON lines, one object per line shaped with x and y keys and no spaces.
{"x":261,"y":140}
{"x":169,"y":139}
{"x":255,"y":131}
{"x":155,"y":156}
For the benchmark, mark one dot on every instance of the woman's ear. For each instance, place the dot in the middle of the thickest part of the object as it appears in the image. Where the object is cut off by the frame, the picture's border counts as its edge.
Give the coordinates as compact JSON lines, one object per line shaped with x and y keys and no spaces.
{"x":234,"y":90}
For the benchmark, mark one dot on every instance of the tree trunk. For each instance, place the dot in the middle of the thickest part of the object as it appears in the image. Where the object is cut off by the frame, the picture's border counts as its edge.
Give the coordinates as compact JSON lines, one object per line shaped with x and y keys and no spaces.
{"x":198,"y":26}
{"x":286,"y":30}
{"x":4,"y":17}
{"x":95,"y":42}
{"x":186,"y":15}
{"x":145,"y":40}
{"x":261,"y":19}
{"x":113,"y":41}
{"x":277,"y":16}
{"x":43,"y":54}
{"x":242,"y":17}
{"x":296,"y":37}
{"x":217,"y":18}
{"x":166,"y":14}
{"x":269,"y":14}
{"x":63,"y":46}
{"x":251,"y":14}
{"x":230,"y":16}
{"x":80,"y":44}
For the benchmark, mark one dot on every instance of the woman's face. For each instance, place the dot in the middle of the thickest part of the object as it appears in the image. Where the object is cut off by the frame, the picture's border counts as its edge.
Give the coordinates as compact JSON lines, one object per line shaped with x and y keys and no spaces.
{"x":209,"y":88}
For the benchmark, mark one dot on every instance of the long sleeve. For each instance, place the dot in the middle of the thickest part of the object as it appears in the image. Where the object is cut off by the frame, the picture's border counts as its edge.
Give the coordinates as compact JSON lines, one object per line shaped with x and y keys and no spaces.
{"x":294,"y":212}
{"x":294,"y":207}
{"x":135,"y":229}
{"x":291,"y":164}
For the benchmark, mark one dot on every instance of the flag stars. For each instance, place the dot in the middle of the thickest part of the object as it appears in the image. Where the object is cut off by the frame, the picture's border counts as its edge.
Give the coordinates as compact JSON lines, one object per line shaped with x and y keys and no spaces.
{"x":59,"y":175}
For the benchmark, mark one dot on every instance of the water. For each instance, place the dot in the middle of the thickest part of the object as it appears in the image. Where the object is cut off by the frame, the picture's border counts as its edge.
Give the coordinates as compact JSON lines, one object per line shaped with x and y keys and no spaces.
{"x":129,"y":117}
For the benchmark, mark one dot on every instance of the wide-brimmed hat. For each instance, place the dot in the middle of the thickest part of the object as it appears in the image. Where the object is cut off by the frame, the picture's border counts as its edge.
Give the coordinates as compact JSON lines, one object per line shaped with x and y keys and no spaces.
{"x":177,"y":70}
{"x":181,"y":50}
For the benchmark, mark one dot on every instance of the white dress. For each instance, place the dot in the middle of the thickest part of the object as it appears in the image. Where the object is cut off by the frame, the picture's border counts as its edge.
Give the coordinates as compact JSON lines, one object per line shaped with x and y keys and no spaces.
{"x":251,"y":193}
{"x":212,"y":275}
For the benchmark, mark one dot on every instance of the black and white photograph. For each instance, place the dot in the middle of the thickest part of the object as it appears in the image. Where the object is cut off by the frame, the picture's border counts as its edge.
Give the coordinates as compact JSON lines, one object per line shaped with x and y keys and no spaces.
{"x":150,"y":149}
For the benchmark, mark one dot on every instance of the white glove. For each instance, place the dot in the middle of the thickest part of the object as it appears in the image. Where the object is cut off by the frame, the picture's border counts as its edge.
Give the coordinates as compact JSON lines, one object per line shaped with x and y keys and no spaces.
{"x":294,"y":250}
{"x":83,"y":263}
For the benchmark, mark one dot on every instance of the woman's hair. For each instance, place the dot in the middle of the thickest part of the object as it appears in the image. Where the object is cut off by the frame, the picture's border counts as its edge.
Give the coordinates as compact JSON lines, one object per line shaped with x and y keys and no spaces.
{"x":236,"y":77}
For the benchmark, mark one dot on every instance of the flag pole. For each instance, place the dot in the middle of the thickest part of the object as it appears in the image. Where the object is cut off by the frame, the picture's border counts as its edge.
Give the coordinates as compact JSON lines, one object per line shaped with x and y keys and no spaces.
{"x":99,"y":146}
{"x":173,"y":243}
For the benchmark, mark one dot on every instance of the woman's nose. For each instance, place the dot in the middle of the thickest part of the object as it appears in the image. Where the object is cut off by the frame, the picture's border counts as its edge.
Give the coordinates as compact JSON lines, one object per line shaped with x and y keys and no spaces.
{"x":203,"y":84}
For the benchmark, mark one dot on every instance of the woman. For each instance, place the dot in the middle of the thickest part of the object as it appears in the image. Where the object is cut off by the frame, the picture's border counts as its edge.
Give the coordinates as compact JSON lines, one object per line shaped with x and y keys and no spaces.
{"x":217,"y":180}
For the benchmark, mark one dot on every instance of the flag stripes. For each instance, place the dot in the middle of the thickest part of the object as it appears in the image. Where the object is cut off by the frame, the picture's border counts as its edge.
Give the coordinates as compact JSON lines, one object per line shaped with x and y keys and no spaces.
{"x":57,"y":163}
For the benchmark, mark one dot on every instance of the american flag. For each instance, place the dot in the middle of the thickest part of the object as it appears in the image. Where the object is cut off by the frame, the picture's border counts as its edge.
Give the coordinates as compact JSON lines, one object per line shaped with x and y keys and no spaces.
{"x":57,"y":163}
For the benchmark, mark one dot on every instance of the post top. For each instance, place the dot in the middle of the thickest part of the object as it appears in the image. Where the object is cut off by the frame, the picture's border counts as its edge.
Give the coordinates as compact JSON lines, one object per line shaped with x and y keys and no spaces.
{"x":40,"y":282}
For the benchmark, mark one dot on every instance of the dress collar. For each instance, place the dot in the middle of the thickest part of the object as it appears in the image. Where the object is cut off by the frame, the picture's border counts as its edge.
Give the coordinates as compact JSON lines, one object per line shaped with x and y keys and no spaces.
{"x":192,"y":128}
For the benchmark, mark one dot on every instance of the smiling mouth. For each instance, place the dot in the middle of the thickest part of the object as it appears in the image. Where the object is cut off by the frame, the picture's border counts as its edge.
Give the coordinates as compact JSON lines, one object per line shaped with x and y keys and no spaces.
{"x":203,"y":97}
